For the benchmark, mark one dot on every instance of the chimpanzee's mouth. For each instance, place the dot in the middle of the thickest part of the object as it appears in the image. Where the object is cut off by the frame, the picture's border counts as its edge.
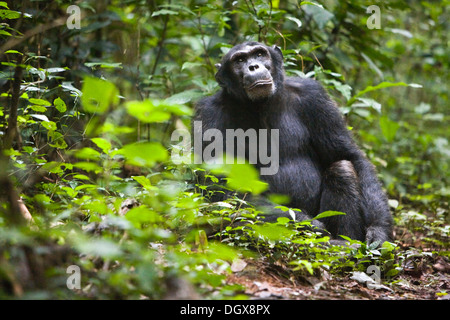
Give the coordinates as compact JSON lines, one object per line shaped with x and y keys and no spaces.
{"x":262,"y":82}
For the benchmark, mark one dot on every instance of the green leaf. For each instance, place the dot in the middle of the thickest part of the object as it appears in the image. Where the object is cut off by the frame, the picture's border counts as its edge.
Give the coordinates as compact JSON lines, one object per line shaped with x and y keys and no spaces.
{"x":319,"y":14}
{"x":40,"y":117}
{"x":49,"y":125}
{"x":12,"y":51}
{"x":9,"y":14}
{"x":103,"y":65}
{"x":388,"y":128}
{"x":304,"y":264}
{"x":164,"y":12}
{"x":297,"y":21}
{"x":87,"y":153}
{"x":144,"y":181}
{"x":40,"y":102}
{"x":245,"y":178}
{"x":81,"y":177}
{"x":273,"y":232}
{"x":365,"y":102}
{"x":38,"y":108}
{"x":141,"y":215}
{"x":143,"y":154}
{"x":381,"y":86}
{"x":60,"y":105}
{"x":98,"y":247}
{"x":184,"y":97}
{"x":311,"y":3}
{"x":88,"y":166}
{"x":6,"y":33}
{"x":190,"y":65}
{"x":103,"y":144}
{"x":57,"y":140}
{"x":98,"y":95}
{"x":147,"y":111}
{"x":327,"y":214}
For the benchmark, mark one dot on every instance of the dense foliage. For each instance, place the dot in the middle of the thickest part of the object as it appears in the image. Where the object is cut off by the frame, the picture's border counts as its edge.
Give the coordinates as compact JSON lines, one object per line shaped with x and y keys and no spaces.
{"x":86,"y":120}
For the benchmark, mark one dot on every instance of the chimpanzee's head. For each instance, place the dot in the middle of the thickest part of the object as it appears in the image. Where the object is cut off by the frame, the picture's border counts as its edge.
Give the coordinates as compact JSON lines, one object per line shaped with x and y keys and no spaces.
{"x":251,"y":71}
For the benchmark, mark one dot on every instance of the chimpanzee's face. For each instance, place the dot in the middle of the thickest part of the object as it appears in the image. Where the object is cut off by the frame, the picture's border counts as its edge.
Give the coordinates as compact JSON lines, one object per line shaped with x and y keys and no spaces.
{"x":248,"y":67}
{"x":252,"y":65}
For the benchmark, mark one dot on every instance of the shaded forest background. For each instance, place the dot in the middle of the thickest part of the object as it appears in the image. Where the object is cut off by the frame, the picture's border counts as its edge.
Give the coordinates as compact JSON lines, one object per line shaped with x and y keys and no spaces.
{"x":86,"y":117}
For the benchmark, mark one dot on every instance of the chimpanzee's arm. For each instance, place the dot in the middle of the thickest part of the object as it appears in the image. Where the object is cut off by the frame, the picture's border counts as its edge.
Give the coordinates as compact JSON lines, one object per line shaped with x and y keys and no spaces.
{"x":332,"y":142}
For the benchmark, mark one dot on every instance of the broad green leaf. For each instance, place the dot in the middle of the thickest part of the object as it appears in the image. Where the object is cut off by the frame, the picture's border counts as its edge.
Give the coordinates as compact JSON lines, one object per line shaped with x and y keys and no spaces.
{"x":304,"y":263}
{"x":311,"y":3}
{"x":190,"y":65}
{"x":103,"y":65}
{"x":327,"y":214}
{"x":40,"y":102}
{"x":81,"y":177}
{"x":103,"y":144}
{"x":182,"y":98}
{"x":143,"y":154}
{"x":57,"y":140}
{"x":144,"y":181}
{"x":70,"y":192}
{"x":49,"y":125}
{"x":98,"y":95}
{"x":273,"y":232}
{"x":164,"y":12}
{"x":365,"y":102}
{"x":245,"y":178}
{"x":87,"y":153}
{"x":147,"y":111}
{"x":388,"y":128}
{"x":60,"y":105}
{"x":38,"y":108}
{"x":98,"y":247}
{"x":141,"y":215}
{"x":297,"y":21}
{"x":344,"y":89}
{"x":40,"y":117}
{"x":9,"y":14}
{"x":320,"y":15}
{"x":381,"y":86}
{"x":88,"y":166}
{"x":12,"y":51}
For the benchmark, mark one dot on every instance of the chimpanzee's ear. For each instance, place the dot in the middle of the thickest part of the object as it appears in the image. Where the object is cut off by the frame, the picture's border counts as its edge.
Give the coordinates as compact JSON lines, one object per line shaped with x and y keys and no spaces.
{"x":277,"y":49}
{"x":220,"y":75}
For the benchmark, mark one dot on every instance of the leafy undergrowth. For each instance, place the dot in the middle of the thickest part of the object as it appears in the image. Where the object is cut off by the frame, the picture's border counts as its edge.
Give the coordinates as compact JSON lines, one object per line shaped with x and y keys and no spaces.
{"x":414,"y":267}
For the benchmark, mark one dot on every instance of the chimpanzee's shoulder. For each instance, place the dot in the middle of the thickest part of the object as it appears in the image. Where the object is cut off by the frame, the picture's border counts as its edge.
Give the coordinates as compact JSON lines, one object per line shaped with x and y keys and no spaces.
{"x":302,"y":85}
{"x":209,"y":102}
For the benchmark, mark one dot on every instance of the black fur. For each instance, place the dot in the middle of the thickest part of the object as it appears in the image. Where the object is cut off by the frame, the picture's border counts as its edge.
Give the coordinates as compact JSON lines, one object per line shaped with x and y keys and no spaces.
{"x":321,"y":168}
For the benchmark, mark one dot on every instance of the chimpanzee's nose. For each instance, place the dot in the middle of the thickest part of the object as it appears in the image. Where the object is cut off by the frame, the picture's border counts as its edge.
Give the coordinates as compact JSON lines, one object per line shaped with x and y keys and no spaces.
{"x":253,"y":67}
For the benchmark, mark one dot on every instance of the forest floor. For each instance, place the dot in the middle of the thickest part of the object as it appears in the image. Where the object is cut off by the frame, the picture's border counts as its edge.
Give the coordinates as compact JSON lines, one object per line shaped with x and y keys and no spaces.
{"x":424,"y":277}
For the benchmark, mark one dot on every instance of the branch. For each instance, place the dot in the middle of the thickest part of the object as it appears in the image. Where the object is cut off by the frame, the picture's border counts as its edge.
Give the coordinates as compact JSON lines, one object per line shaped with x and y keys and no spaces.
{"x":12,"y":131}
{"x":30,"y":33}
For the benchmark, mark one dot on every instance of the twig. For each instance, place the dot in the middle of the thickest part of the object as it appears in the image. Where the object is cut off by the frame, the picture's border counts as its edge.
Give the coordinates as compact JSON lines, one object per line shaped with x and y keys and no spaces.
{"x":12,"y":131}
{"x":30,"y":33}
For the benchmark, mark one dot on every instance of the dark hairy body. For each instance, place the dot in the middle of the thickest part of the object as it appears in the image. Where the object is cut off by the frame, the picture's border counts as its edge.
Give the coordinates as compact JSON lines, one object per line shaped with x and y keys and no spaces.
{"x":320,"y":166}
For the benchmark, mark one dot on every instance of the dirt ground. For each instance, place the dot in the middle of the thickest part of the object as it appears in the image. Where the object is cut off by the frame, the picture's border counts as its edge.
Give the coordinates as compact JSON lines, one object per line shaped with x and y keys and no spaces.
{"x":425,"y":277}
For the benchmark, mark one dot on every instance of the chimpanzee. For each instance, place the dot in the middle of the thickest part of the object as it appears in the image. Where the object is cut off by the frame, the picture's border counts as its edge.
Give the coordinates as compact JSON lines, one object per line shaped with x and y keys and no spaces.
{"x":320,"y":166}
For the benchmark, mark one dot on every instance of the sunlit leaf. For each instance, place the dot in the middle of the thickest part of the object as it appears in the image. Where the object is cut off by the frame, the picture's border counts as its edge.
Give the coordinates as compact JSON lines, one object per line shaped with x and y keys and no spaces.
{"x":388,"y":128}
{"x":143,"y":154}
{"x":60,"y":105}
{"x":98,"y":95}
{"x":103,"y":144}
